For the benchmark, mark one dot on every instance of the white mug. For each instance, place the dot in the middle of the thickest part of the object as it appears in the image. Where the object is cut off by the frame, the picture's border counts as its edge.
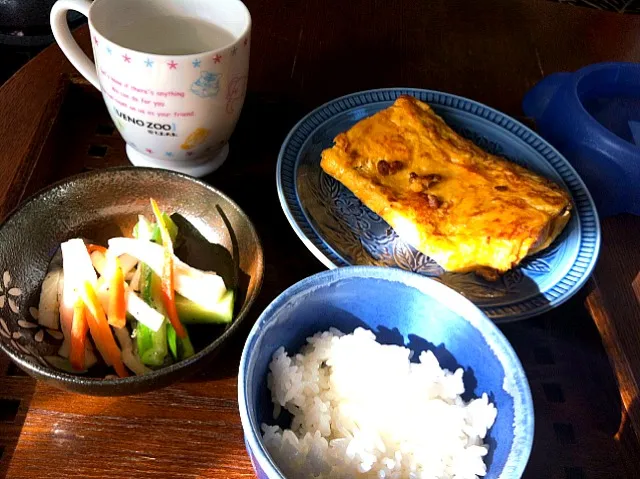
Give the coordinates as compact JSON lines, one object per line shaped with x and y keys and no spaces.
{"x":173,"y":74}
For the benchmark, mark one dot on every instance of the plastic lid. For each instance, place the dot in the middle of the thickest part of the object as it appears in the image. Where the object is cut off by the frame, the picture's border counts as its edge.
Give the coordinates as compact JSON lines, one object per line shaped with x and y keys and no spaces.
{"x":612,"y":97}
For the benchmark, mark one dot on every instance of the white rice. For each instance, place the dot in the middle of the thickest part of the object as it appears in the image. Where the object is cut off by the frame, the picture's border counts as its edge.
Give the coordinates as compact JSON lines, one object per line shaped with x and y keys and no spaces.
{"x":362,"y":409}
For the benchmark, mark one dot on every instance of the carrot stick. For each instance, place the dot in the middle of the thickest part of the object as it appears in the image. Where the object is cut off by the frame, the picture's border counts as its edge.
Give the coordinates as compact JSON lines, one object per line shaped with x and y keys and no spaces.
{"x":168,"y":278}
{"x":169,"y":295}
{"x":117,"y":303}
{"x":78,"y":336}
{"x":96,"y":247}
{"x":100,"y":330}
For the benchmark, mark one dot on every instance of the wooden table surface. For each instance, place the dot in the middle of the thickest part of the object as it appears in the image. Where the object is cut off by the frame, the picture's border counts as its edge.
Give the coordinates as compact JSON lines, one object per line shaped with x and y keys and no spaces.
{"x":303,"y":54}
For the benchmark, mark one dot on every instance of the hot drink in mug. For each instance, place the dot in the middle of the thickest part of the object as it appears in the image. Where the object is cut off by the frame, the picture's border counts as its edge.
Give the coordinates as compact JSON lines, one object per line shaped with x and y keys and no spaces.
{"x":173,"y":74}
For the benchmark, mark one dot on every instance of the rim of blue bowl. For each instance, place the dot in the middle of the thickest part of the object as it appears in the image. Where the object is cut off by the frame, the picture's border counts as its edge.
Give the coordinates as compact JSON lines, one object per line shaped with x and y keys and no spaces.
{"x":517,"y":388}
{"x":101,"y":384}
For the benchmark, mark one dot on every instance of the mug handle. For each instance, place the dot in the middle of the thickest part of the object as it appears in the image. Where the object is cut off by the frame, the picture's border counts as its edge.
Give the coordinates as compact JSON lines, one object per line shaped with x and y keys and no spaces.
{"x":65,"y":40}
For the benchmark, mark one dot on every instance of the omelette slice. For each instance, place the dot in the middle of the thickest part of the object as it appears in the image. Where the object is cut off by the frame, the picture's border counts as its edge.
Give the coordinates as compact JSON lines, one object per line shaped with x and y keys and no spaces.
{"x":463,"y":207}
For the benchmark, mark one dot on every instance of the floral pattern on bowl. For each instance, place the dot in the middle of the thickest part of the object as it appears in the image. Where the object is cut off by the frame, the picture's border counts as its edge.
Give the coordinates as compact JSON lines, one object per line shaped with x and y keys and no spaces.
{"x":19,"y":325}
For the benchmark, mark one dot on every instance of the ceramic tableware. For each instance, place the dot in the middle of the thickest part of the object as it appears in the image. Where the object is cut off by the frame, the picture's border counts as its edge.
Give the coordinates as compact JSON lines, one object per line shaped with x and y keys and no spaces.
{"x":100,"y":205}
{"x":173,"y":74}
{"x":401,"y":308}
{"x":339,"y":230}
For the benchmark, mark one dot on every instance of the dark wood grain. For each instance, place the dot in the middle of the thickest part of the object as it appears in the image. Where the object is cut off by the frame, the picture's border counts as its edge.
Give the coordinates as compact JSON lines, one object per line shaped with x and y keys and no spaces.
{"x":303,"y":54}
{"x":615,"y":306}
{"x":29,"y":102}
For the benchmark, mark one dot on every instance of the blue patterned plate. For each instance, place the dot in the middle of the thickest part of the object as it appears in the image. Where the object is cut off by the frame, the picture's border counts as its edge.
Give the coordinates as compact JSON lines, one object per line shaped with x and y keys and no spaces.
{"x":339,"y":230}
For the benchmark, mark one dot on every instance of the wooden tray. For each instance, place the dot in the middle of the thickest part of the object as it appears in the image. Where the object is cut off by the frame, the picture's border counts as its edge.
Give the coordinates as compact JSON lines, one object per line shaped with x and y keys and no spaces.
{"x":582,"y":427}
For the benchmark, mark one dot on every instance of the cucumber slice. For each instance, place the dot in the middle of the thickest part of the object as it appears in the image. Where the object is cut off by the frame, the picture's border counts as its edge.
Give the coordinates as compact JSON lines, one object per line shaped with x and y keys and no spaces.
{"x":181,"y":348}
{"x":193,"y":313}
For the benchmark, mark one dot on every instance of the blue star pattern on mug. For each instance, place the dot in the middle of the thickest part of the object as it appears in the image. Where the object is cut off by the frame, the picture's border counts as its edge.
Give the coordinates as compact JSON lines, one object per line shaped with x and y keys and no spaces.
{"x":196,"y":63}
{"x":149,"y":62}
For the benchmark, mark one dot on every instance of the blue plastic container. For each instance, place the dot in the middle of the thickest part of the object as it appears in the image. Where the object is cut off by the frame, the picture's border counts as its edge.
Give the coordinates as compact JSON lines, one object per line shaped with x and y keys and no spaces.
{"x":592,"y":117}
